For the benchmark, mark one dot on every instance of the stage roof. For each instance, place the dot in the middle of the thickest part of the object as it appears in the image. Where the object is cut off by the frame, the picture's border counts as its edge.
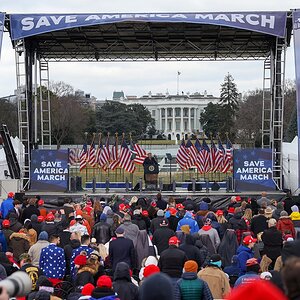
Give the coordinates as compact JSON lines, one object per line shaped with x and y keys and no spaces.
{"x":148,"y":39}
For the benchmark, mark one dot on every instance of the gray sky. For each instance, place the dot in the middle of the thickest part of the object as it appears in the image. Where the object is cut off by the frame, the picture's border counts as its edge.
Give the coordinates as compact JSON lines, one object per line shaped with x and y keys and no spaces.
{"x":101,"y":79}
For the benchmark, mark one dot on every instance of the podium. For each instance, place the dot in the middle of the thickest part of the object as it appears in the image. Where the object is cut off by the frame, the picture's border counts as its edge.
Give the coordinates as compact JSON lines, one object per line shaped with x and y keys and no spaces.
{"x":151,"y":176}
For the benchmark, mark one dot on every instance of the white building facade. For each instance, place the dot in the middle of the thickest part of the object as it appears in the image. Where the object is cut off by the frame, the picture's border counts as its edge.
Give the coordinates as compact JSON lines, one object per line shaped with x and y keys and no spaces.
{"x":174,"y":115}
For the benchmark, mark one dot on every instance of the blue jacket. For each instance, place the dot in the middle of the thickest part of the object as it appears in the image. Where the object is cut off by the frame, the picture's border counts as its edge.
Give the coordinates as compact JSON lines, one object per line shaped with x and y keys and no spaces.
{"x":188,"y":220}
{"x":244,"y":253}
{"x":112,"y":297}
{"x":6,"y":206}
{"x":249,"y":277}
{"x":76,"y":252}
{"x":3,"y":242}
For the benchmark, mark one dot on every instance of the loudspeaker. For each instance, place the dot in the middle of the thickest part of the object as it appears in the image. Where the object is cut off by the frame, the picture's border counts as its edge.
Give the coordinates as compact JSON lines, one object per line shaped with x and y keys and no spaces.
{"x":190,"y":187}
{"x":215,"y":186}
{"x":72,"y":184}
{"x":19,"y":197}
{"x":79,"y":183}
{"x":136,"y":187}
{"x":167,"y":187}
{"x":198,"y":187}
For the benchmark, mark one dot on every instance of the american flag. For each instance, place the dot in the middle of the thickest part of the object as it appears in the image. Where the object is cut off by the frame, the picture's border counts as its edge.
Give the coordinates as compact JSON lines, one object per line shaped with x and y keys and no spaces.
{"x":228,"y":158}
{"x":98,"y":152}
{"x":125,"y":161}
{"x":114,"y":156}
{"x":213,"y":155}
{"x":83,"y":157}
{"x":105,"y":156}
{"x":200,"y":161}
{"x":182,"y":156}
{"x":74,"y":156}
{"x":92,"y":159}
{"x":192,"y":151}
{"x":218,"y":165}
{"x":139,"y":154}
{"x":206,"y":157}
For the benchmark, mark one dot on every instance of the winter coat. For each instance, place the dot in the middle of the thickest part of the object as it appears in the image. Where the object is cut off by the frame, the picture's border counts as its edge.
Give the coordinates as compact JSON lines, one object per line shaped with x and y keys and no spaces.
{"x":217,"y":281}
{"x":143,"y":248}
{"x":35,"y":224}
{"x":121,"y":250}
{"x":15,"y":225}
{"x":28,"y":212}
{"x":84,"y":275}
{"x":6,"y":206}
{"x":171,"y":261}
{"x":122,"y":284}
{"x":131,"y":231}
{"x":236,"y":222}
{"x":35,"y":251}
{"x":286,"y":224}
{"x":161,"y":238}
{"x":228,"y":247}
{"x":188,"y":220}
{"x":68,"y":249}
{"x":272,"y":239}
{"x":213,"y":235}
{"x":192,"y":252}
{"x":190,"y":287}
{"x":102,"y":232}
{"x":173,"y":222}
{"x":102,"y":293}
{"x":76,"y":252}
{"x":204,"y":254}
{"x":50,"y":228}
{"x":295,"y":216}
{"x":20,"y":243}
{"x":139,"y":221}
{"x":244,"y":253}
{"x":259,"y":224}
{"x":3,"y":243}
{"x":155,"y":224}
{"x":276,"y":213}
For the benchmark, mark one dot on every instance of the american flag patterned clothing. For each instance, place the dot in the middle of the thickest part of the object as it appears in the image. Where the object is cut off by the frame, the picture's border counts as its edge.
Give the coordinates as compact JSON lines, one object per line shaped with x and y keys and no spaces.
{"x":52,"y":262}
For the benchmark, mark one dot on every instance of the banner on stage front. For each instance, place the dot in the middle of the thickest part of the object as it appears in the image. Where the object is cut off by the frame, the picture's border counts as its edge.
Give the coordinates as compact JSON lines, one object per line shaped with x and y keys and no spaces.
{"x":296,"y":26}
{"x":49,"y":170}
{"x":2,"y":19}
{"x":253,"y":170}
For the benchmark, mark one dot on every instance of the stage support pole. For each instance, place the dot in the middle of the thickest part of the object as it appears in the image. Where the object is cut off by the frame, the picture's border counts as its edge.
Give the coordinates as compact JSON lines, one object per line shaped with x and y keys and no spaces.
{"x":141,"y":184}
{"x":107,"y":185}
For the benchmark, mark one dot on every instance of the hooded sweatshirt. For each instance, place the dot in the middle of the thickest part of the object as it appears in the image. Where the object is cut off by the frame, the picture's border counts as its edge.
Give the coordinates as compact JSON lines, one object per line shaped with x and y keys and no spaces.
{"x":286,"y":224}
{"x":188,"y":220}
{"x":213,"y":234}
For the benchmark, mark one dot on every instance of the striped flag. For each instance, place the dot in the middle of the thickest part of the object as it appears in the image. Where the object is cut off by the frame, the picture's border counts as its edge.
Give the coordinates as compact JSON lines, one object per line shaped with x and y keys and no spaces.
{"x":125,"y":158}
{"x":98,"y":152}
{"x":192,"y":151}
{"x":219,"y":157}
{"x":114,"y":156}
{"x":105,"y":156}
{"x":206,"y":157}
{"x":73,"y":156}
{"x":83,"y":157}
{"x":213,"y":155}
{"x":228,"y":158}
{"x":182,"y":156}
{"x":92,"y":159}
{"x":200,"y":161}
{"x":139,"y":154}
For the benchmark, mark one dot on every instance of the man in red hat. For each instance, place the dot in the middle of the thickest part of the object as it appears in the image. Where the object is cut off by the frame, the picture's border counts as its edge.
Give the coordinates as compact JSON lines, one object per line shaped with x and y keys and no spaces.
{"x":7,"y":205}
{"x":172,"y":260}
{"x":245,"y":252}
{"x":252,"y":270}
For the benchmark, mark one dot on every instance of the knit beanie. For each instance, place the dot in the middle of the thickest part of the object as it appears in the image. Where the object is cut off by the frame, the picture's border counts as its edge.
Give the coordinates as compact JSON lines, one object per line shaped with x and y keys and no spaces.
{"x":160,"y":213}
{"x":43,"y":236}
{"x":295,"y":208}
{"x":87,"y":289}
{"x":284,"y":214}
{"x":151,"y":269}
{"x":104,"y":281}
{"x":190,"y":266}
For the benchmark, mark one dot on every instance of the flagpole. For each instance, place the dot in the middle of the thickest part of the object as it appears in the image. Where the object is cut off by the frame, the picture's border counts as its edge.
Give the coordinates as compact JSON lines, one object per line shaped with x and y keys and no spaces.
{"x":93,"y":141}
{"x":178,"y":74}
{"x":116,"y":145}
{"x":86,"y":175}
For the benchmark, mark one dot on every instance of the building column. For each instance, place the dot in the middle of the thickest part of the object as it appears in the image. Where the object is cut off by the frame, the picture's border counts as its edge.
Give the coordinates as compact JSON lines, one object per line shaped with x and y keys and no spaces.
{"x":159,"y":125}
{"x":195,"y":119}
{"x":181,"y":121}
{"x":166,"y":120}
{"x":189,"y":124}
{"x":173,"y":119}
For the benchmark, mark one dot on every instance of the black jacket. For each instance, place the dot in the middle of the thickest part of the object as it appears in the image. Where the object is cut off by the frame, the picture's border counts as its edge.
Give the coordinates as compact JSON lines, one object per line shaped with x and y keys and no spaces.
{"x":68,"y":253}
{"x":155,"y":224}
{"x":171,"y":261}
{"x":139,"y":221}
{"x":258,"y":224}
{"x":101,"y":292}
{"x":161,"y":238}
{"x":122,"y":284}
{"x":102,"y":232}
{"x":64,"y":238}
{"x":28,"y":212}
{"x":173,"y":221}
{"x":121,"y":250}
{"x":192,"y":253}
{"x":272,"y":239}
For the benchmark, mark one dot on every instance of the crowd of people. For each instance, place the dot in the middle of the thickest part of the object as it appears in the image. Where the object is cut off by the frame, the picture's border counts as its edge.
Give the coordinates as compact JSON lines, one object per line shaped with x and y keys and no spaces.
{"x":157,"y":248}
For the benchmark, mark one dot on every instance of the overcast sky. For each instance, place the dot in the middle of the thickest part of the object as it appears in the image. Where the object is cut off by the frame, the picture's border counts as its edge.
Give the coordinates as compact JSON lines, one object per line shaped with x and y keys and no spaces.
{"x":101,"y":79}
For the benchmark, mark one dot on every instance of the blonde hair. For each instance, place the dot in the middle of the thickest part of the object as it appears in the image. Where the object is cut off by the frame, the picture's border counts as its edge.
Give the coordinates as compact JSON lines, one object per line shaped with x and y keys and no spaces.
{"x":248,"y":214}
{"x":221,"y":219}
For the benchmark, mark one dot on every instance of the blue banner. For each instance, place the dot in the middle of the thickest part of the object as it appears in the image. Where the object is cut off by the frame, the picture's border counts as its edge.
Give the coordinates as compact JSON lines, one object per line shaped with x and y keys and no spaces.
{"x":253,"y":170}
{"x":49,"y":170}
{"x":24,"y":25}
{"x":296,"y":26}
{"x":2,"y":19}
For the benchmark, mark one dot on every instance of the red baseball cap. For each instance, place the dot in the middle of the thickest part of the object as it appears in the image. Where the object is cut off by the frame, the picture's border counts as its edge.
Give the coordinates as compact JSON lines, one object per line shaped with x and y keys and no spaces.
{"x":238,"y":198}
{"x":219,"y":212}
{"x":122,"y":206}
{"x":173,"y":240}
{"x":153,"y":204}
{"x":249,"y":239}
{"x":104,"y":281}
{"x":41,"y":202}
{"x":5,"y":223}
{"x":150,"y":269}
{"x":179,"y":206}
{"x":172,"y":211}
{"x":10,"y":194}
{"x":50,"y":217}
{"x":231,"y":209}
{"x":40,"y":219}
{"x":145,"y":213}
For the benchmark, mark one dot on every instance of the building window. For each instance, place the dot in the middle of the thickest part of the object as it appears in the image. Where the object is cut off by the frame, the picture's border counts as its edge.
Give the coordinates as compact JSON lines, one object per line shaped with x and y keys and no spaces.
{"x":163,"y":126}
{"x":170,"y":125}
{"x":192,"y":112}
{"x":169,"y":112}
{"x":185,"y":125}
{"x":177,"y":112}
{"x":177,"y":125}
{"x":153,"y":113}
{"x":185,"y":112}
{"x":162,"y":112}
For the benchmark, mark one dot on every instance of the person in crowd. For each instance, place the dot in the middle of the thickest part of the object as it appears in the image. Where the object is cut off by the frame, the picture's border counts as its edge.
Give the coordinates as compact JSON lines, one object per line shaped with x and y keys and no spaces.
{"x":78,"y":226}
{"x":36,"y":249}
{"x":31,"y":233}
{"x":121,"y":249}
{"x":36,"y":225}
{"x":41,"y":207}
{"x":122,"y":284}
{"x":87,"y":291}
{"x":52,"y":260}
{"x":172,"y":260}
{"x":162,"y":235}
{"x":272,"y":239}
{"x":252,"y":270}
{"x":7,"y":205}
{"x":172,"y":217}
{"x":190,"y":287}
{"x":160,"y":202}
{"x":131,"y":230}
{"x":49,"y":225}
{"x":155,"y":222}
{"x":104,"y":289}
{"x":9,"y":266}
{"x":188,"y":220}
{"x":223,"y":223}
{"x":207,"y":229}
{"x":259,"y":222}
{"x":277,"y":211}
{"x":285,"y":224}
{"x":233,"y":270}
{"x":17,"y":210}
{"x":30,"y":210}
{"x":34,"y":272}
{"x":268,"y":212}
{"x":138,"y":219}
{"x":6,"y":230}
{"x":228,"y":247}
{"x":201,"y":213}
{"x":15,"y":225}
{"x":20,"y":243}
{"x":245,"y":252}
{"x":295,"y":216}
{"x":290,"y":277}
{"x":264,"y":200}
{"x":216,"y":279}
{"x":68,"y":249}
{"x":102,"y":230}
